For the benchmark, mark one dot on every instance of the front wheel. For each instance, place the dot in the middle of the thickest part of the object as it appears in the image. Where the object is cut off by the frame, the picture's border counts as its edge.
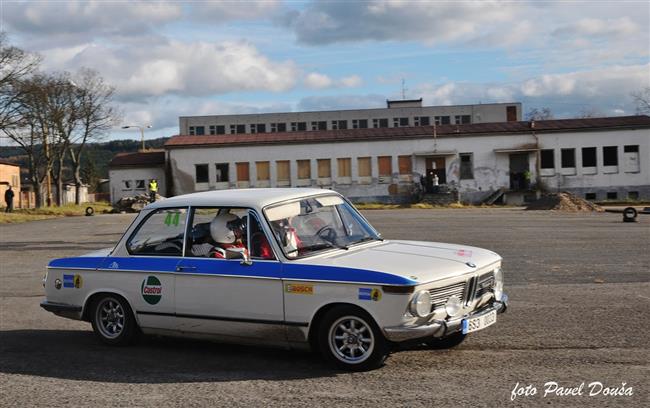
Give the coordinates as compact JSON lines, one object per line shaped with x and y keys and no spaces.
{"x":113,"y":321}
{"x":448,"y":342}
{"x":350,"y":339}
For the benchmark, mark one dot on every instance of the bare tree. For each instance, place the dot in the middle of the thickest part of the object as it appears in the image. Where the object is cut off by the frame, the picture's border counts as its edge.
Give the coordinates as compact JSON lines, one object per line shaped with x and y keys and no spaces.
{"x":95,"y":117}
{"x":590,"y":112}
{"x":539,"y":114}
{"x":642,"y":100}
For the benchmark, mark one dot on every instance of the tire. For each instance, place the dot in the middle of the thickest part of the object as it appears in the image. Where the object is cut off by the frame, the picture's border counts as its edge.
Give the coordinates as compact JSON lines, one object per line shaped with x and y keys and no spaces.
{"x":349,"y":339}
{"x":113,"y":321}
{"x":448,"y":342}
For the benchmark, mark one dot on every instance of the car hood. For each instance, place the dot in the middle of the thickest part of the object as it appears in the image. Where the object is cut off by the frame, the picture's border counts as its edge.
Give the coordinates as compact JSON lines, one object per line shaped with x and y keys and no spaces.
{"x":418,"y":261}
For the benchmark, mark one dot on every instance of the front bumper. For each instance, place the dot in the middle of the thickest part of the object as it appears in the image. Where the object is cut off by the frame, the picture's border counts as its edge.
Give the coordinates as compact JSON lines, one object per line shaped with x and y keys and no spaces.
{"x":440,"y":328}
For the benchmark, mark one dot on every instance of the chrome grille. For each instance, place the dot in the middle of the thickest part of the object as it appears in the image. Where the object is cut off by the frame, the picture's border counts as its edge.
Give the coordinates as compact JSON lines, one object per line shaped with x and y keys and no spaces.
{"x":485,"y":284}
{"x":439,"y":296}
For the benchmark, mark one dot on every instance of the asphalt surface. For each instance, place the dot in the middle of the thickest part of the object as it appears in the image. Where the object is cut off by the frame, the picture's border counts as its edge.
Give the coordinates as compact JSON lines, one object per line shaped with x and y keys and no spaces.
{"x":580,"y":295}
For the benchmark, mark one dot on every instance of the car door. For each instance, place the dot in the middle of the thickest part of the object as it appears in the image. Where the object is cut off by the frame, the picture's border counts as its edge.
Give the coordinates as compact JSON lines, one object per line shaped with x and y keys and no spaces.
{"x":228,"y":297}
{"x":144,"y":269}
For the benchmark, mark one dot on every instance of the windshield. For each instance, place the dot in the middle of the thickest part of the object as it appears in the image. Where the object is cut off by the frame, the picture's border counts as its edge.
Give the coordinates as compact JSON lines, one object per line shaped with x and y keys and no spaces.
{"x":315,"y":224}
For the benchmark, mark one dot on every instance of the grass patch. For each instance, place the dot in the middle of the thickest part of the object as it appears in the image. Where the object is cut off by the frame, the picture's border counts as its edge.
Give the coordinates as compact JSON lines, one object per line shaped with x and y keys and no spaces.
{"x":68,"y":210}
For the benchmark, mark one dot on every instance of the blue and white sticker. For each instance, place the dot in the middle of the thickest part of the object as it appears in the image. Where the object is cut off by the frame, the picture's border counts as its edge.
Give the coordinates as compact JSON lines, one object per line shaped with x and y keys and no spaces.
{"x":68,"y":281}
{"x":369,"y":294}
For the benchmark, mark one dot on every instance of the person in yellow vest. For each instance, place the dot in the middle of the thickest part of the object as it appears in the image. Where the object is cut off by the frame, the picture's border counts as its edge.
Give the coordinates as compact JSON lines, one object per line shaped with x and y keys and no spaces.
{"x":153,"y":189}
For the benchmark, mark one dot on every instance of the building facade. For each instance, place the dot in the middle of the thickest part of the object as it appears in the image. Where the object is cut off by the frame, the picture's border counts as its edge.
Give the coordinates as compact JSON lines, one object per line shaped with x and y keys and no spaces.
{"x":130,"y":174}
{"x":403,"y":113}
{"x":10,"y":176}
{"x":596,"y":158}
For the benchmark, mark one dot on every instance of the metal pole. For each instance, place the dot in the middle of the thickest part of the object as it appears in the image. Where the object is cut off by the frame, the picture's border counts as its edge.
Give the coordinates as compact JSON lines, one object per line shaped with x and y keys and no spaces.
{"x":142,"y":134}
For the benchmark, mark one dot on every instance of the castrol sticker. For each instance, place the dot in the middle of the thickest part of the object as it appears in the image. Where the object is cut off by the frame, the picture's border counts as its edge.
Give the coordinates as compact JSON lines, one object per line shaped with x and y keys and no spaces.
{"x":151,"y":290}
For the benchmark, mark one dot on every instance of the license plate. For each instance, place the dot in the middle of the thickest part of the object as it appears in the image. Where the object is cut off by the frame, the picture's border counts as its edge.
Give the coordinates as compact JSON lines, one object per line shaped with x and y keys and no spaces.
{"x":479,"y":322}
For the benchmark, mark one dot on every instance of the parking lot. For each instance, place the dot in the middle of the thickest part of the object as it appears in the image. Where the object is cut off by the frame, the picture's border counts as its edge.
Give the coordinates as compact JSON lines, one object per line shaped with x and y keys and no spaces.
{"x":579,"y":286}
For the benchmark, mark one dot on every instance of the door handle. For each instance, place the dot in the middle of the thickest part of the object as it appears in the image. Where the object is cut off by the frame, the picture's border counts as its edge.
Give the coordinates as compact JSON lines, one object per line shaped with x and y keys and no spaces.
{"x":185,"y":268}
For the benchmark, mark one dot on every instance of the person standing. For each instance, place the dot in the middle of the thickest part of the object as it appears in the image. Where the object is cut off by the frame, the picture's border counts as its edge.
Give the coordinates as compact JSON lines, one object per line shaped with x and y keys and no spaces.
{"x":153,"y":189}
{"x":9,"y":199}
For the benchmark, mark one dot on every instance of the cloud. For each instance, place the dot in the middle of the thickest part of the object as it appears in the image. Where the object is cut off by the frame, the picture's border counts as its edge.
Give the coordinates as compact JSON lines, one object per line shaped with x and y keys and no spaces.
{"x":315,"y":80}
{"x":189,"y":68}
{"x":217,"y":12}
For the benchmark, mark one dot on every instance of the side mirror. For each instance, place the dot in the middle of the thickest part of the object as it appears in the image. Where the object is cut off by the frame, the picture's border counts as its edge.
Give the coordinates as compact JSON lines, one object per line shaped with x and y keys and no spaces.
{"x":240,"y":253}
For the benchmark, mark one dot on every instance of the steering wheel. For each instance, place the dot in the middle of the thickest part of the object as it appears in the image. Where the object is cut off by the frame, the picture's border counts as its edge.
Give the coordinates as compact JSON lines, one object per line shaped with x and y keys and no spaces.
{"x":327,"y":233}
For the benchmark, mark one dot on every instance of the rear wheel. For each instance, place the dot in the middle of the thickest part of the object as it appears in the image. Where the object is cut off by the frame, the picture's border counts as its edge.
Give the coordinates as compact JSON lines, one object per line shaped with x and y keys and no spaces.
{"x":448,"y":342}
{"x":113,"y":321}
{"x":350,"y":339}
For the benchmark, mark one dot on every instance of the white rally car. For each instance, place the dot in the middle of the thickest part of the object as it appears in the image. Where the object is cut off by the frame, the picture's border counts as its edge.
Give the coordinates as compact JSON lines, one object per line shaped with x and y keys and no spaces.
{"x":293,"y":268}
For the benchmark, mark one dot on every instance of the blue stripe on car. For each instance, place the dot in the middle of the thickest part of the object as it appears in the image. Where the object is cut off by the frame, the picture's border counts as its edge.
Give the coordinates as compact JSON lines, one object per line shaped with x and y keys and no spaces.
{"x":291,"y":271}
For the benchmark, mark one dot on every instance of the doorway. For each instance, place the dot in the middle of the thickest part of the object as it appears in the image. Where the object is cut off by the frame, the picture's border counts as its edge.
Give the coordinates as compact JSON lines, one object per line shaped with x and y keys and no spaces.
{"x":435,"y":166}
{"x":519,"y":171}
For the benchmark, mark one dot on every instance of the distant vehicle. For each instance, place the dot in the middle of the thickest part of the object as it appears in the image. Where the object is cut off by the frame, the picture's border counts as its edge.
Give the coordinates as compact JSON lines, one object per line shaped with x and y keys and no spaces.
{"x":303,"y":269}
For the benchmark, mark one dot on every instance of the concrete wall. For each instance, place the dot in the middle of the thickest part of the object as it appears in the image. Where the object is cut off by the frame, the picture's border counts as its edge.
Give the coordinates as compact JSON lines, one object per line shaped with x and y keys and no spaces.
{"x":117,"y":177}
{"x":478,"y":113}
{"x":491,"y":170}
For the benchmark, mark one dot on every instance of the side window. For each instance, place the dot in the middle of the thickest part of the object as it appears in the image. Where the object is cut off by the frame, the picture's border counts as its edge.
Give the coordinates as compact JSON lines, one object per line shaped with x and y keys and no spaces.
{"x":161,"y":234}
{"x":217,"y":230}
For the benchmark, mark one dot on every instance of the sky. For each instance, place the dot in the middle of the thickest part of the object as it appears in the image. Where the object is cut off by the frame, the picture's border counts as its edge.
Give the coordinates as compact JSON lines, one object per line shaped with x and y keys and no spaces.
{"x":176,"y":58}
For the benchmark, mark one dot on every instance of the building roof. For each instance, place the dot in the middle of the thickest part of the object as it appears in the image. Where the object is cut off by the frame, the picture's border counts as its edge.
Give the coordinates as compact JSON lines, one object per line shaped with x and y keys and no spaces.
{"x":352,"y":135}
{"x":247,"y":197}
{"x":153,"y":158}
{"x":9,"y":163}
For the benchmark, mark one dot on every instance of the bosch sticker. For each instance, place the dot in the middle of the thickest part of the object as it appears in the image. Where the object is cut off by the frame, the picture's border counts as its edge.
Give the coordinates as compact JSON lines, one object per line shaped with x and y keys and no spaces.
{"x":151,"y":290}
{"x":369,"y":294}
{"x":299,"y":289}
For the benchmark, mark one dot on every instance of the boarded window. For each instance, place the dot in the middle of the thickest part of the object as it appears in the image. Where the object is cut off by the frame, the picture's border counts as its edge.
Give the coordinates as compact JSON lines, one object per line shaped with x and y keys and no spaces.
{"x":589,"y":157}
{"x":344,"y":167}
{"x":466,"y":166}
{"x":405,"y":166}
{"x":304,"y":169}
{"x":547,"y":159}
{"x":222,"y":172}
{"x":385,"y":165}
{"x":324,"y":168}
{"x":263,"y":172}
{"x":365,"y":167}
{"x":242,"y":171}
{"x":610,"y":156}
{"x":283,"y":170}
{"x":201,"y":173}
{"x":568,"y":158}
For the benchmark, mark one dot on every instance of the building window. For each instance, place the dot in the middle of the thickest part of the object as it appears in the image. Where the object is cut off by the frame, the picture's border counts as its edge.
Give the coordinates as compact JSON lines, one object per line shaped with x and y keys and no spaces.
{"x":283,"y":170}
{"x":462,"y":119}
{"x":365,"y":166}
{"x":422,"y":121}
{"x":298,"y":126}
{"x":258,"y":128}
{"x":466,"y":166}
{"x":590,"y":196}
{"x":400,"y":122}
{"x":127,"y":185}
{"x":405,"y":164}
{"x":344,"y":167}
{"x":359,"y":123}
{"x":213,"y":131}
{"x":304,"y":169}
{"x":339,"y":124}
{"x":222,"y":172}
{"x":385,"y":166}
{"x":237,"y":129}
{"x":320,"y":125}
{"x":568,"y":158}
{"x":610,"y":156}
{"x":243,"y":171}
{"x":278,"y":127}
{"x":324,"y":168}
{"x":217,"y":129}
{"x":547,"y":159}
{"x":631,"y":149}
{"x":632,"y":195}
{"x":380,"y":123}
{"x":612,"y":195}
{"x":511,"y":113}
{"x":589,"y":157}
{"x":139,"y":185}
{"x":631,"y":159}
{"x":442,"y":120}
{"x":263,"y":170}
{"x":201,"y":173}
{"x":192,"y":131}
{"x":199,"y":130}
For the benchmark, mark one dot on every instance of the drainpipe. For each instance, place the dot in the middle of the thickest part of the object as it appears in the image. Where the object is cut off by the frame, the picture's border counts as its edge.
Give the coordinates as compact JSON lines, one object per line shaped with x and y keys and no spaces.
{"x":538,"y":166}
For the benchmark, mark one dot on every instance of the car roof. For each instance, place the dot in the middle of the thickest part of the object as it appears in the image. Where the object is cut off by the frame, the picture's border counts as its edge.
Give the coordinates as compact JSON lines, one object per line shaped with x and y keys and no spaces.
{"x":248,"y":197}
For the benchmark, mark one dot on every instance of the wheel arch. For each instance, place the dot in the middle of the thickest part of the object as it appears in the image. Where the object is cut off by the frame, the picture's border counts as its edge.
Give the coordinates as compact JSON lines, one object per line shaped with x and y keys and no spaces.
{"x":86,"y":311}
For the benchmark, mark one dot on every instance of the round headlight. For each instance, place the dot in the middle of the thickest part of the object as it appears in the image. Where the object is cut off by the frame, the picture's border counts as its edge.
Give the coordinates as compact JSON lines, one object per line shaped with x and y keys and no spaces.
{"x":421,"y":304}
{"x":453,"y":306}
{"x":498,"y":283}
